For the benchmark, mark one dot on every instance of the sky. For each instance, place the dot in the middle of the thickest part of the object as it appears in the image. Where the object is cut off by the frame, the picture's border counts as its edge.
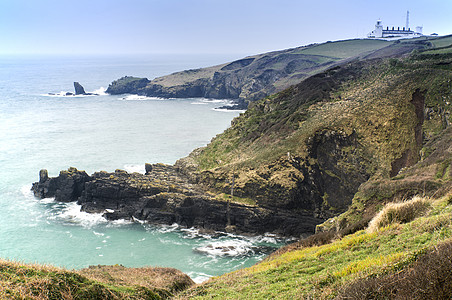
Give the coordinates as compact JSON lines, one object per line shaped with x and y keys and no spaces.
{"x":201,"y":26}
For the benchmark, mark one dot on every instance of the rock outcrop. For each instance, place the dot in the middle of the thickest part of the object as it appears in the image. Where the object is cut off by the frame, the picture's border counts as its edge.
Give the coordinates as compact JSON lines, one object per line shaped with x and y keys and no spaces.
{"x":165,"y":196}
{"x":292,"y":159}
{"x":127,"y":85}
{"x":67,"y":187}
{"x":79,"y":90}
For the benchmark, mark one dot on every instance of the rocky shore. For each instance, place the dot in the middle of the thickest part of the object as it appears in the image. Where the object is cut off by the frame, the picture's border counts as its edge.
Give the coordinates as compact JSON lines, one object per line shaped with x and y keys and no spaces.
{"x":165,"y":196}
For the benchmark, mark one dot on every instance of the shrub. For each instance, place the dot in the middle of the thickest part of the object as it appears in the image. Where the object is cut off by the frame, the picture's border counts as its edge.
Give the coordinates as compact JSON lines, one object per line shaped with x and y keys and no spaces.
{"x":402,"y":212}
{"x":428,"y":278}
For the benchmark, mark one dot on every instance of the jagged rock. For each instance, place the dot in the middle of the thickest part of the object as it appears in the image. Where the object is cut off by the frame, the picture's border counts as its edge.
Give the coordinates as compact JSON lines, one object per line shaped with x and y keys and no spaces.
{"x":79,"y":90}
{"x":165,"y":196}
{"x":148,"y":168}
{"x":127,"y":85}
{"x":67,"y":187}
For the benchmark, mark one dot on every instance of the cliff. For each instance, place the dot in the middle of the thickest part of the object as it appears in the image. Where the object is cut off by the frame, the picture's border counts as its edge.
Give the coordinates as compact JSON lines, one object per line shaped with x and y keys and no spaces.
{"x":295,"y":158}
{"x":311,"y":146}
{"x":255,"y":77}
{"x":364,"y":146}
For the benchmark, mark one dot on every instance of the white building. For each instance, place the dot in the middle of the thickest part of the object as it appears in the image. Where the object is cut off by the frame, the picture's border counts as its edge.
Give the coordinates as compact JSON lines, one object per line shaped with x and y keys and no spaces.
{"x":394,"y":33}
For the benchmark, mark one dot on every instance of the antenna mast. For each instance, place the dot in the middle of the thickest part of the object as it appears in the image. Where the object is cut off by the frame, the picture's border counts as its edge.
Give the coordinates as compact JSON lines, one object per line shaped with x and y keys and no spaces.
{"x":407,"y":20}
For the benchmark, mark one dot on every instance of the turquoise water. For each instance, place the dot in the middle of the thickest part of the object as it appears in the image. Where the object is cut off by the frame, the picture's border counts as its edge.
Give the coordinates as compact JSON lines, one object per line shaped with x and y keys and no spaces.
{"x":95,"y":133}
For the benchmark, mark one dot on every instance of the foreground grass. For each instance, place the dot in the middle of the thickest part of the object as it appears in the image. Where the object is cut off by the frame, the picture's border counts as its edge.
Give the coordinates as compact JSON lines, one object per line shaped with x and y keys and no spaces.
{"x":322,"y":272}
{"x":20,"y":281}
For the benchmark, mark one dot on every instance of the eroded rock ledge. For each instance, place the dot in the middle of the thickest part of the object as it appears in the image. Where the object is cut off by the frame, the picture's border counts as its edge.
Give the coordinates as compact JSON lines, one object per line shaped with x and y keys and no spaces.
{"x":165,"y":196}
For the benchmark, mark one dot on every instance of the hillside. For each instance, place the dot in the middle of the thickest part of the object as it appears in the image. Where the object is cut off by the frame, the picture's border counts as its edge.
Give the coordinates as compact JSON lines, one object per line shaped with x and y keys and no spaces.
{"x":313,"y":145}
{"x":405,"y":258}
{"x":21,"y":281}
{"x":386,"y":120}
{"x":257,"y":76}
{"x":362,"y":149}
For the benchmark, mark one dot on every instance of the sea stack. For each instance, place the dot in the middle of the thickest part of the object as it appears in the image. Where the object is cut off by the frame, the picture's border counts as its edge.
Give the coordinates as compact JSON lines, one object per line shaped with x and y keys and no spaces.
{"x":79,"y":90}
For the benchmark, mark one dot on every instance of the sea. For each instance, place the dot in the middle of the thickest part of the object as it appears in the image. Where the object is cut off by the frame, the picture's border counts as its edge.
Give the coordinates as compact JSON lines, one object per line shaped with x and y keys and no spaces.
{"x":42,"y":128}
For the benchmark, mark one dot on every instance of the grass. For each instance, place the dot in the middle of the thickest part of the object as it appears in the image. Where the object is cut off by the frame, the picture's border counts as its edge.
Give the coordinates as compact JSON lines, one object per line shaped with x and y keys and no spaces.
{"x":25,"y":281}
{"x":344,"y":49}
{"x":402,"y":212}
{"x":323,"y":272}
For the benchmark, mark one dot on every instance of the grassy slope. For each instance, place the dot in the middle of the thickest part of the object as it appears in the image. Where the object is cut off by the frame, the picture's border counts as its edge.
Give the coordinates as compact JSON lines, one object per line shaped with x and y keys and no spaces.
{"x":326,"y":271}
{"x":372,"y":99}
{"x":315,"y":56}
{"x":318,"y":271}
{"x":21,"y":281}
{"x":342,"y":49}
{"x":367,"y":102}
{"x":323,"y":271}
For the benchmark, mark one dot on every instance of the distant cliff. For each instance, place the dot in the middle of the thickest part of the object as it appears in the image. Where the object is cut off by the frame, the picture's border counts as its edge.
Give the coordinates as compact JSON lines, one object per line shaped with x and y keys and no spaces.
{"x":257,"y":76}
{"x":296,"y":157}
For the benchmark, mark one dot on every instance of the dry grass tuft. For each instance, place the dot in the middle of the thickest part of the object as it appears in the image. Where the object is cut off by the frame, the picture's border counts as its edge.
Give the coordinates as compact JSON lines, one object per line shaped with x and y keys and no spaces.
{"x":428,"y":278}
{"x":160,"y":278}
{"x":402,"y":212}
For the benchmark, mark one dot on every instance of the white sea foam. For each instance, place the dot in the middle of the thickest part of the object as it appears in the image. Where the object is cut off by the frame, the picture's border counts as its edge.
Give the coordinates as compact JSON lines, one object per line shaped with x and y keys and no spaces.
{"x":167,"y":228}
{"x":27,"y":193}
{"x":229,"y":110}
{"x":71,"y":214}
{"x":131,"y":168}
{"x":226,"y":248}
{"x":119,"y":222}
{"x":223,"y":101}
{"x":199,"y":277}
{"x":192,"y":233}
{"x":100,"y":91}
{"x":98,"y":233}
{"x":139,"y":98}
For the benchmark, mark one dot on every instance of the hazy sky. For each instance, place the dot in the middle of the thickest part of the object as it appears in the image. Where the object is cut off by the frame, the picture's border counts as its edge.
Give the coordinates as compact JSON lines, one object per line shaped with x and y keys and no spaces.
{"x":201,"y":26}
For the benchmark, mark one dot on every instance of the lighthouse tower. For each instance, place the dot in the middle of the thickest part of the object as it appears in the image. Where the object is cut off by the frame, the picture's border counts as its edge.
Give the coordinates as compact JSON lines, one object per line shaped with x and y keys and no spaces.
{"x":378,"y":32}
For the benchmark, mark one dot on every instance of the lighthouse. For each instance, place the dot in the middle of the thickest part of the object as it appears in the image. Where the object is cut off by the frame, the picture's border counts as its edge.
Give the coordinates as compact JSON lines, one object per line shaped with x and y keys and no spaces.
{"x":395,"y":33}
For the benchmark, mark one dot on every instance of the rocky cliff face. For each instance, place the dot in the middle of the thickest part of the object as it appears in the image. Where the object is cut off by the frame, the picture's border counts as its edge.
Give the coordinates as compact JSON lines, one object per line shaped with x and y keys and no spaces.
{"x":294,"y":158}
{"x":164,"y":196}
{"x":255,"y":77}
{"x":313,"y":145}
{"x":127,"y":85}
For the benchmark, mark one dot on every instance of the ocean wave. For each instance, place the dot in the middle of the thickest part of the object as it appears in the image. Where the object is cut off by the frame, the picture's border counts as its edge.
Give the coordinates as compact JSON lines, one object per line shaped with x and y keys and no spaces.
{"x":226,"y":247}
{"x":229,"y":110}
{"x":194,"y":233}
{"x":98,"y":92}
{"x":132,"y":168}
{"x":72,"y":215}
{"x":198,"y":277}
{"x":139,"y":98}
{"x":166,"y":228}
{"x":27,"y":193}
{"x":208,"y":100}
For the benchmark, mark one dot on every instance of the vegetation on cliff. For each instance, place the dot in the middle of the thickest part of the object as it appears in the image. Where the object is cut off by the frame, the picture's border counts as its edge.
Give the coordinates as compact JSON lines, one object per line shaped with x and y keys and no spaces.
{"x":314,"y":144}
{"x":254,"y":77}
{"x":417,"y":253}
{"x":20,"y":281}
{"x":397,"y":112}
{"x":369,"y":139}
